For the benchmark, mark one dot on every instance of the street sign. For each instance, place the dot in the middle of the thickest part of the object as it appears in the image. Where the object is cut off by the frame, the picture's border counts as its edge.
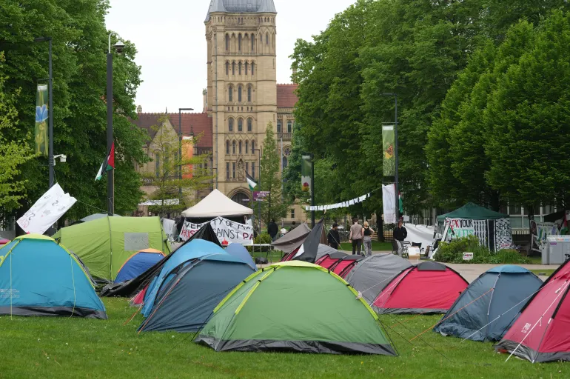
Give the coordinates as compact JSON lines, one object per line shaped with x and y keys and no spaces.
{"x":260,"y":195}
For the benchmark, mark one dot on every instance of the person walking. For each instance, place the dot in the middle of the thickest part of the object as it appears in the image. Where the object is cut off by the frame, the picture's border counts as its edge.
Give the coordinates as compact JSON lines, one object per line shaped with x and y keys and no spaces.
{"x":272,"y":229}
{"x":367,"y":238}
{"x":333,"y":237}
{"x":355,"y":236}
{"x":400,"y":234}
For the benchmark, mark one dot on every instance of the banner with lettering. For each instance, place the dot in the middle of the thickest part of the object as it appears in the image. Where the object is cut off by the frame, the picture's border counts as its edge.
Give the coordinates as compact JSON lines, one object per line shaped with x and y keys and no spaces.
{"x":41,"y":129}
{"x":227,"y":231}
{"x":388,"y":150}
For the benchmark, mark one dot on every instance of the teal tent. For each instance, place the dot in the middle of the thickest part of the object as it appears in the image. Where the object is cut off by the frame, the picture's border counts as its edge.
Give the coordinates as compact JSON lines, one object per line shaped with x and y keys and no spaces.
{"x":471,"y":211}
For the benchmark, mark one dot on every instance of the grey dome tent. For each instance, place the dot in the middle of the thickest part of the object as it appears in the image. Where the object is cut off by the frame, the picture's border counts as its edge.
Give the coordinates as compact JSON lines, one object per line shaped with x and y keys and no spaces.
{"x":488,"y":307}
{"x":374,"y":273}
{"x":292,"y":240}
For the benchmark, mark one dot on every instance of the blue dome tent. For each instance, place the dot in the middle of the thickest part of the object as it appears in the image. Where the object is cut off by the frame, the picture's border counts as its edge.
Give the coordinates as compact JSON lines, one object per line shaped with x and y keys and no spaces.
{"x":487,"y":308}
{"x":41,"y":278}
{"x":138,"y":263}
{"x":239,"y":251}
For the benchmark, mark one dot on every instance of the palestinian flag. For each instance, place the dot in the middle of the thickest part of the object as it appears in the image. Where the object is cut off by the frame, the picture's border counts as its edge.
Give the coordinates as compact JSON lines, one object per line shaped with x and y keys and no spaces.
{"x":252,"y":184}
{"x":108,"y":164}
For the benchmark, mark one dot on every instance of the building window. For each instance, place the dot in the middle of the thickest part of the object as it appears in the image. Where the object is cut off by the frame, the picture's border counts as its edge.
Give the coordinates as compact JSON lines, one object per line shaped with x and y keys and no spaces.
{"x":157,"y":164}
{"x":231,"y":94}
{"x":249,"y":124}
{"x":233,"y":68}
{"x":252,"y":43}
{"x":252,"y":67}
{"x":227,"y":170}
{"x":245,"y":68}
{"x":247,"y":167}
{"x":239,"y":68}
{"x":233,"y":170}
{"x":292,"y":212}
{"x":246,"y":147}
{"x":289,"y":126}
{"x":240,"y":125}
{"x":278,"y":126}
{"x":227,"y":147}
{"x":227,"y":42}
{"x":233,"y":147}
{"x":239,"y":93}
{"x":249,"y":94}
{"x":253,"y":147}
{"x":228,"y":68}
{"x":267,"y":38}
{"x":231,"y":124}
{"x":253,"y":170}
{"x":239,"y":147}
{"x":239,"y":42}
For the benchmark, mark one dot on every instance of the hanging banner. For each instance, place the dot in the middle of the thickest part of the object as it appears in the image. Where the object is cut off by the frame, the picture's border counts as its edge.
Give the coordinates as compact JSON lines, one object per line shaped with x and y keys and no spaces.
{"x":460,"y":228}
{"x":539,"y":231}
{"x":41,"y":130}
{"x":46,"y":211}
{"x":227,"y":231}
{"x":344,"y":204}
{"x":389,"y":203}
{"x":306,"y":174}
{"x":388,"y":153}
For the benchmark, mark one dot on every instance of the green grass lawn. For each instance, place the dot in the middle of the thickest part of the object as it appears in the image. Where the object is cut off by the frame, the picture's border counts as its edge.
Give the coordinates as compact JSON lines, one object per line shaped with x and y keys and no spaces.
{"x":546,"y":272}
{"x":79,"y":348}
{"x":376,"y":246}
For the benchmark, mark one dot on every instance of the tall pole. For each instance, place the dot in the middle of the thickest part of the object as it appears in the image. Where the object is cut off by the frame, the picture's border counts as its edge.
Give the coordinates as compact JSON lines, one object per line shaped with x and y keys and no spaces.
{"x":110,"y":189}
{"x":216,"y":152}
{"x":396,"y":156}
{"x":312,"y":190}
{"x":282,"y":172}
{"x":259,"y":176}
{"x":50,"y":126}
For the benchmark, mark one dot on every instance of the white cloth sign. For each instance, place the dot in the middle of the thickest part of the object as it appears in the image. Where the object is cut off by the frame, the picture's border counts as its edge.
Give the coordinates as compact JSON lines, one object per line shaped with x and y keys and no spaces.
{"x":227,"y":231}
{"x":389,"y":203}
{"x":169,"y":227}
{"x":344,"y":204}
{"x":46,"y":211}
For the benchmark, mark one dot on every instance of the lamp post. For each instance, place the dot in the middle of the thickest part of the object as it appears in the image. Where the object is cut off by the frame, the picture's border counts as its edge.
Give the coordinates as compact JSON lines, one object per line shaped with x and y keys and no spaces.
{"x":395,"y":95}
{"x":118,"y":47}
{"x":50,"y":114}
{"x":259,"y":176}
{"x":180,"y":145}
{"x":214,"y":168}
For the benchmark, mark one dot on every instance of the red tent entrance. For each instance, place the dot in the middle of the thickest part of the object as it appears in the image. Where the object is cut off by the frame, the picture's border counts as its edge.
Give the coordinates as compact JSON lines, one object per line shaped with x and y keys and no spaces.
{"x":429,"y":287}
{"x":542,"y":331}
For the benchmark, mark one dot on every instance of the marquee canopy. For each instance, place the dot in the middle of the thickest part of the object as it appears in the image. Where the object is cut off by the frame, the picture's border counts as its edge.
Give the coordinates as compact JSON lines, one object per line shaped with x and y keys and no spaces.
{"x":216,"y":204}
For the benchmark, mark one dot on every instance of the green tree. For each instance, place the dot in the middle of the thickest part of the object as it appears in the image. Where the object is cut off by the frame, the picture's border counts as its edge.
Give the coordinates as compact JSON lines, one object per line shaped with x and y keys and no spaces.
{"x":274,"y":206}
{"x":79,"y":37}
{"x":13,"y":153}
{"x":177,"y":177}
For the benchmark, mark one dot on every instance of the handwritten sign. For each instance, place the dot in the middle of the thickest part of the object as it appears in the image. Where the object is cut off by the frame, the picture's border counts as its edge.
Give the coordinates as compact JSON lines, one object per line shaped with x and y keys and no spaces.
{"x":467,"y":256}
{"x":227,"y":231}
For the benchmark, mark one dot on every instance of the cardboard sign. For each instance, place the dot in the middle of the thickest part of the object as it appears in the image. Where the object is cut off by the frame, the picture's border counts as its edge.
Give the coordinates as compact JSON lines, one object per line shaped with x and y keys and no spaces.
{"x":467,"y":256}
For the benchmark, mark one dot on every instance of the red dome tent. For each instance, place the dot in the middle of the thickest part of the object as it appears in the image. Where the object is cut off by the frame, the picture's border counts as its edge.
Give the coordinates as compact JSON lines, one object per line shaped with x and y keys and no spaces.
{"x":542,"y":331}
{"x":345,"y":265}
{"x":429,"y":287}
{"x":329,"y":260}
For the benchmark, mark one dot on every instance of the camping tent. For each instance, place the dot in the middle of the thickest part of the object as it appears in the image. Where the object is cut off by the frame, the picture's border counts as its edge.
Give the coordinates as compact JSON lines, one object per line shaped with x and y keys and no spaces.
{"x":292,"y":240}
{"x":237,"y":250}
{"x":40,"y":278}
{"x":308,"y":250}
{"x":186,"y":301}
{"x":344,"y":266}
{"x":295,"y":306}
{"x":105,"y":244}
{"x":490,"y":304}
{"x":492,"y":228}
{"x":214,"y":205}
{"x":138,"y":263}
{"x":542,"y":331}
{"x":96,"y":216}
{"x":329,"y":260}
{"x":325,"y":249}
{"x":193,"y":250}
{"x":3,"y":242}
{"x":429,"y":287}
{"x":374,"y":273}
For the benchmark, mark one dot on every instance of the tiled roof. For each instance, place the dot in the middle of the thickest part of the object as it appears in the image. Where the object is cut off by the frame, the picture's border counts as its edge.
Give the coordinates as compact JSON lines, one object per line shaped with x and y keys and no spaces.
{"x":199,"y":123}
{"x":286,"y":96}
{"x":241,"y":6}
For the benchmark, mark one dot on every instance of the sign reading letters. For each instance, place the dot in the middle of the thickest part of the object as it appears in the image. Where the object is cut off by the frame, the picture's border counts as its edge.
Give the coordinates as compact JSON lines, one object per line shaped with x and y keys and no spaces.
{"x":226,"y":230}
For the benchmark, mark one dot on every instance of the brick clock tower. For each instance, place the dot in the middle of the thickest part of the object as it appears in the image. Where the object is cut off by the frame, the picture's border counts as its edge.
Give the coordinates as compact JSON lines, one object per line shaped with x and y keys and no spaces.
{"x":242,"y":90}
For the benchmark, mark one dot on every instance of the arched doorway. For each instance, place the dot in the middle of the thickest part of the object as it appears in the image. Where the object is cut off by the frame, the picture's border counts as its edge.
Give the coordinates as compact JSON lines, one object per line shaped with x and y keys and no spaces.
{"x":241,"y":198}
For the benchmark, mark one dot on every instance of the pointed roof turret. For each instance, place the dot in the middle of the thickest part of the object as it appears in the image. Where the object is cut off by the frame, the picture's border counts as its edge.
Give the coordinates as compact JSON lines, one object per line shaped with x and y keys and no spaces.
{"x":241,"y":6}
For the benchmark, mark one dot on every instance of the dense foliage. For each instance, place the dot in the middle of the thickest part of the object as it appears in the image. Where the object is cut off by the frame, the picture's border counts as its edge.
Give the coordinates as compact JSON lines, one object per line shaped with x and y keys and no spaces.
{"x":456,"y":66}
{"x":80,"y":43}
{"x":452,"y":252}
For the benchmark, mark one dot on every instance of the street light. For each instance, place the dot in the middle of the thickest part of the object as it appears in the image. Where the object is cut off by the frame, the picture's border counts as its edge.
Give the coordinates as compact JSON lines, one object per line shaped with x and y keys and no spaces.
{"x":118,"y":47}
{"x":51,"y":163}
{"x":395,"y":95}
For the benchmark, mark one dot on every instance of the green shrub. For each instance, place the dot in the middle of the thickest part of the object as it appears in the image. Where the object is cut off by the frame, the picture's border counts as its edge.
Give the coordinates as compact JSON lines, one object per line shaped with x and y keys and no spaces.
{"x":452,"y":252}
{"x":262,"y":239}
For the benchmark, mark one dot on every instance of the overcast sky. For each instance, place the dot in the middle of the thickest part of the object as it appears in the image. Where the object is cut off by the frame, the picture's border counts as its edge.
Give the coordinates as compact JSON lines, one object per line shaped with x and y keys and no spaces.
{"x":169,"y":36}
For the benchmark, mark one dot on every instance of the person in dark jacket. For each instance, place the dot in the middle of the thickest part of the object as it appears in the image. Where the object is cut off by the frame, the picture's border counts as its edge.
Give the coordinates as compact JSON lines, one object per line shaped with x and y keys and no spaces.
{"x":272,"y":230}
{"x":333,"y":237}
{"x":400,"y":234}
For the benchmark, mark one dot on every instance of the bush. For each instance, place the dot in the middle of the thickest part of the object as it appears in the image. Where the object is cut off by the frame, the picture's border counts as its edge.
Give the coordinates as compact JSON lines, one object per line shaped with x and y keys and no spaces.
{"x":263,"y":239}
{"x":452,"y":252}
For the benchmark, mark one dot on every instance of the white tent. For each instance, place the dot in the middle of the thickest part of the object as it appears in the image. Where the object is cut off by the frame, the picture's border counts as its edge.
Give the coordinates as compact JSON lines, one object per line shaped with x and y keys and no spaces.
{"x":214,"y":205}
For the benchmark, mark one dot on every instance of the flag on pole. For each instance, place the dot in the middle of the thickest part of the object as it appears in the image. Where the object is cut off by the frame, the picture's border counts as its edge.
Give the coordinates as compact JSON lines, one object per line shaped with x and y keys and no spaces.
{"x":252,"y":184}
{"x":108,"y":164}
{"x":400,"y":203}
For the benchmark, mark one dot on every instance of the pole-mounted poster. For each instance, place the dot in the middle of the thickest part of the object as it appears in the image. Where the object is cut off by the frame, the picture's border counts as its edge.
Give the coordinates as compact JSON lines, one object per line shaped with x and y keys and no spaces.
{"x":41,"y":130}
{"x":388,"y":153}
{"x":306,"y":171}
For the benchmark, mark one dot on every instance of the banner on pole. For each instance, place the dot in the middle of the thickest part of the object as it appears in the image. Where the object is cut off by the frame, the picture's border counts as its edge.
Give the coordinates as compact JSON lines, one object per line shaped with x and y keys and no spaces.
{"x":306,"y":174}
{"x":389,"y":203}
{"x":46,"y":211}
{"x":260,"y":195}
{"x":227,"y":231}
{"x":388,"y":153}
{"x":41,"y":129}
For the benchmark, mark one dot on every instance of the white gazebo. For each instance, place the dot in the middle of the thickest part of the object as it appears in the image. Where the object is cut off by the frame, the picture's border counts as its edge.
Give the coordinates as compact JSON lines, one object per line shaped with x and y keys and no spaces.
{"x":216,"y":204}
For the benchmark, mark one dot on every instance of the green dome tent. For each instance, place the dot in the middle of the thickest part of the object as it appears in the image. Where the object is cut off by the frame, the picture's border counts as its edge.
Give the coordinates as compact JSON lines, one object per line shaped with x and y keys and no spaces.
{"x":106,"y":243}
{"x":295,"y":306}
